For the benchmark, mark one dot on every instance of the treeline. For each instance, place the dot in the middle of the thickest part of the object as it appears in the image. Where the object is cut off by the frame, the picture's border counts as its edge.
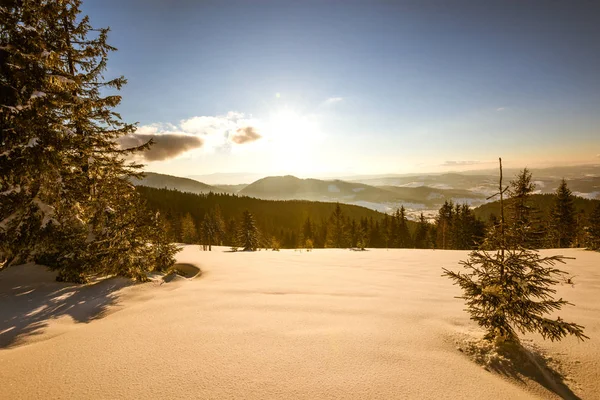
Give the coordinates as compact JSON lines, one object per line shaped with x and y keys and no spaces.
{"x":554,"y":220}
{"x":559,"y":220}
{"x":211,"y":219}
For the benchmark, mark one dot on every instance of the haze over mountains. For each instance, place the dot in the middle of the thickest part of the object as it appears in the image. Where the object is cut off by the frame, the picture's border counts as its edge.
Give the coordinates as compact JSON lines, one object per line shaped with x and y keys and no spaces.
{"x":426,"y":192}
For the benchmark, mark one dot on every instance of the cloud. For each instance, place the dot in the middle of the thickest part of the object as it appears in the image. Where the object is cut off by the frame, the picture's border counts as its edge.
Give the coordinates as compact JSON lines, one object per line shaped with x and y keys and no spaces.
{"x":500,"y":109}
{"x":246,"y":134}
{"x":165,"y":146}
{"x":332,"y":100}
{"x":598,"y":155}
{"x":211,"y":133}
{"x":460,"y":163}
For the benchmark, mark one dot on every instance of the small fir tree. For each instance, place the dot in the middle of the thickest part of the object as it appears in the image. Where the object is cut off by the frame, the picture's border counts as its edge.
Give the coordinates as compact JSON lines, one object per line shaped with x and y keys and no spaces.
{"x":511,"y":289}
{"x":248,"y":236}
{"x":563,"y":223}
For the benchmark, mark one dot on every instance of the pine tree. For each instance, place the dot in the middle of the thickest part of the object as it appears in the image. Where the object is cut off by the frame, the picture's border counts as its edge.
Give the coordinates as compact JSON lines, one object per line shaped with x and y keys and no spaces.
{"x":336,"y":234}
{"x":248,"y":236}
{"x":522,"y":216}
{"x":512,"y":289}
{"x":404,"y":239}
{"x":189,"y":232}
{"x":421,"y":233}
{"x":213,"y":228}
{"x":593,"y":230}
{"x":563,"y":223}
{"x":65,"y":194}
{"x":444,"y":225}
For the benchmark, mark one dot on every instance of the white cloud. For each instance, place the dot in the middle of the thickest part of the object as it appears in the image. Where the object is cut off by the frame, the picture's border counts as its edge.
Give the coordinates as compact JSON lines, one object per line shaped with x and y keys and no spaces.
{"x":460,"y":163}
{"x":332,"y":100}
{"x":500,"y":109}
{"x":211,"y":133}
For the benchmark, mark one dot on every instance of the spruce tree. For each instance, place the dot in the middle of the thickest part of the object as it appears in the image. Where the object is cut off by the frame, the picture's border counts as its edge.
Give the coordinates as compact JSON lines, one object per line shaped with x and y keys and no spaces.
{"x":593,"y":230}
{"x":511,"y":289}
{"x":444,"y":225}
{"x":563,"y":224}
{"x":65,"y":195}
{"x":404,"y":239}
{"x":213,"y":228}
{"x":336,"y":234}
{"x":248,"y":236}
{"x":189,"y":232}
{"x":522,"y":215}
{"x":421,"y":233}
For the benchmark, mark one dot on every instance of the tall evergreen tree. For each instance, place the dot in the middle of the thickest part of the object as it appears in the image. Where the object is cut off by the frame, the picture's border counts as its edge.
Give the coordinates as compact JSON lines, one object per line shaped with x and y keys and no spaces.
{"x":511,"y":289}
{"x":189,"y":232}
{"x":421,"y":233}
{"x":444,"y":224}
{"x":336,"y":234}
{"x":248,"y":236}
{"x":593,"y":230}
{"x":213,"y":228}
{"x":64,"y":182}
{"x":522,"y":215}
{"x":563,"y":224}
{"x":404,"y":239}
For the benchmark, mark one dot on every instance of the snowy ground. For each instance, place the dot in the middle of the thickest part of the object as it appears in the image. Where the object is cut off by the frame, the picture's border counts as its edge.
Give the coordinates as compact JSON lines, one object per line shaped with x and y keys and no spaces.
{"x":329,"y":324}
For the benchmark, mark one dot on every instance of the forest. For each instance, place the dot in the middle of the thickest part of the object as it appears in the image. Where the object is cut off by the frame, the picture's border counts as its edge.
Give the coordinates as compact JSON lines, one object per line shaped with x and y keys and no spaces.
{"x":558,"y":220}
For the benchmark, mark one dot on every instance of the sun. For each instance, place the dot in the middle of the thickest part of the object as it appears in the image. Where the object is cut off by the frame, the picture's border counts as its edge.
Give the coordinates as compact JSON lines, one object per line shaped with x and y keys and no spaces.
{"x":292,"y":137}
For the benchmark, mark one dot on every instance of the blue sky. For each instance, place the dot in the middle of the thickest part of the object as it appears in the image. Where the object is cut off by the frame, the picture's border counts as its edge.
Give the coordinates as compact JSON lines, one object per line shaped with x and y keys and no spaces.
{"x":318,"y":88}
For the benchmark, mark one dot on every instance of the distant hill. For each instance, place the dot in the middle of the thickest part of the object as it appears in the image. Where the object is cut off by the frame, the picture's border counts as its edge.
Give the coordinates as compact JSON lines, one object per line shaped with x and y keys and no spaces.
{"x":231,"y":188}
{"x":383,"y":198}
{"x":542,"y":202}
{"x":162,"y":181}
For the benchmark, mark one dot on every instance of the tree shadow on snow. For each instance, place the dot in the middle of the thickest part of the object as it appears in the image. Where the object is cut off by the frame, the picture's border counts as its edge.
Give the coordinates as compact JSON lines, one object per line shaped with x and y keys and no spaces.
{"x":26,"y":309}
{"x":520,"y":362}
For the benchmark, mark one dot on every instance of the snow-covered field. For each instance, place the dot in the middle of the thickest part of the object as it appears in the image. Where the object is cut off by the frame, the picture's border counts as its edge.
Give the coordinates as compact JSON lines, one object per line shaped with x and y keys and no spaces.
{"x":328,"y":324}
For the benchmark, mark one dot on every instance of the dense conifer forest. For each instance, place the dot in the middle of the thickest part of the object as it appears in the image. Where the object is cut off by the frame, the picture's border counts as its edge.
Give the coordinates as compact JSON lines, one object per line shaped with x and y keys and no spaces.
{"x":557,"y":220}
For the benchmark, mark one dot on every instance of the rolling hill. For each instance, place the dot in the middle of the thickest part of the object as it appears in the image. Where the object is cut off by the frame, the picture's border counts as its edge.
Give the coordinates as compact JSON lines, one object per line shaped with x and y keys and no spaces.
{"x":161,"y":181}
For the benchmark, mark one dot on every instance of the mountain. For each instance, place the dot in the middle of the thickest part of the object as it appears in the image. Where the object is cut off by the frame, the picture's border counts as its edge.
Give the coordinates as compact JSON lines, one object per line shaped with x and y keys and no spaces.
{"x":384,"y":198}
{"x":162,"y":181}
{"x":235,"y":178}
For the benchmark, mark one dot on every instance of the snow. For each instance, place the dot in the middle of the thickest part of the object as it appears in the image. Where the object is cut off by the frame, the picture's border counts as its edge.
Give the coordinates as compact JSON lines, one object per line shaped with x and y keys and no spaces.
{"x":590,"y":195}
{"x":32,"y":142}
{"x":37,"y":94}
{"x":47,"y":211}
{"x":11,"y":190}
{"x":333,"y":189}
{"x":325,"y":324}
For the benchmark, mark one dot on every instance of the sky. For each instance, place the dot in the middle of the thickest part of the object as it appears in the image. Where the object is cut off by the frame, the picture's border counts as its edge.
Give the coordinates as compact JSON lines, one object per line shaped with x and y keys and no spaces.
{"x":340,"y":87}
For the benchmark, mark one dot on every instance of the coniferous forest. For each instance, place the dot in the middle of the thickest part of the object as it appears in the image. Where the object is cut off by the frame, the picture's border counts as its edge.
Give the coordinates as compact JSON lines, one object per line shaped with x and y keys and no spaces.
{"x":557,"y":220}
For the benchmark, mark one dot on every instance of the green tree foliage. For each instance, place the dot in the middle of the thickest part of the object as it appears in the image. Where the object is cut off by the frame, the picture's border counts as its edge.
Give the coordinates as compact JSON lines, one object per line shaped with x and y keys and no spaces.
{"x":522,"y":214}
{"x":248,"y":236}
{"x":337,"y":235}
{"x":457,"y":227}
{"x":444,"y":222}
{"x":511,"y":289}
{"x":65,"y":196}
{"x":212,"y":228}
{"x":189,"y":232}
{"x":593,"y":230}
{"x":563,"y":222}
{"x":422,"y":233}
